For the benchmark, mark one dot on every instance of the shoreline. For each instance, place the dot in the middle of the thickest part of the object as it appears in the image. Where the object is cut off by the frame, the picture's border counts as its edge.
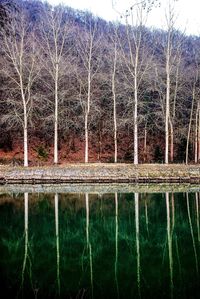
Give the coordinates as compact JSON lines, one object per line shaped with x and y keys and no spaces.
{"x":101,"y":173}
{"x":98,"y":188}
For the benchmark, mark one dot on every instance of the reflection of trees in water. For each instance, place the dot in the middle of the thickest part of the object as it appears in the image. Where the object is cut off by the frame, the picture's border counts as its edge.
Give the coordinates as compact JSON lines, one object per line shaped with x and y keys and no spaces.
{"x":112,"y":243}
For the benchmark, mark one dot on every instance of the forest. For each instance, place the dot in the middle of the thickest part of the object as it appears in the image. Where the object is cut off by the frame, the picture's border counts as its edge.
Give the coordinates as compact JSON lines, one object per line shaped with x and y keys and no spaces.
{"x":76,"y":88}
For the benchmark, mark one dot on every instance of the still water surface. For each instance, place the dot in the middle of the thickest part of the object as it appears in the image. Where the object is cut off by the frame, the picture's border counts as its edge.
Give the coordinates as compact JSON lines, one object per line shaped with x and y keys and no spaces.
{"x":90,"y":245}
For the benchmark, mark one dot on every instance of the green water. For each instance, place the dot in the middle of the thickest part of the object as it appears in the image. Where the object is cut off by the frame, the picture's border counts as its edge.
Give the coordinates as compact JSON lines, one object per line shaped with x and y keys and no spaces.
{"x":84,"y":245}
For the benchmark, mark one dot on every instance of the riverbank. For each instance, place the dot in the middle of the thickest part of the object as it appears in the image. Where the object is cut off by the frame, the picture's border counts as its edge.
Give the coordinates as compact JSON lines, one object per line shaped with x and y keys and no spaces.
{"x":77,"y":188}
{"x":101,"y":173}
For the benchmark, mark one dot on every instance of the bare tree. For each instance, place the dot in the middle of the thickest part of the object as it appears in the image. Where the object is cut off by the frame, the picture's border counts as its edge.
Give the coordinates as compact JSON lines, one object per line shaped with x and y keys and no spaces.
{"x":168,"y":74}
{"x":194,"y":95}
{"x":88,"y":43}
{"x":170,"y":57}
{"x":114,"y":100}
{"x":55,"y":31}
{"x":21,"y":68}
{"x":193,"y":90}
{"x":135,"y":56}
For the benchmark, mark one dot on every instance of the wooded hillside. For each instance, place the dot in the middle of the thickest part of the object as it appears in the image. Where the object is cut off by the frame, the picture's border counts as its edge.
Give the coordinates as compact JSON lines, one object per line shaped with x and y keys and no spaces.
{"x":76,"y":88}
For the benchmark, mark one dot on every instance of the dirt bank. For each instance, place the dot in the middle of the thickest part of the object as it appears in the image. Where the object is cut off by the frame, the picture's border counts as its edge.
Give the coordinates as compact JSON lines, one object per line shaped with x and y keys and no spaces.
{"x":102,"y":173}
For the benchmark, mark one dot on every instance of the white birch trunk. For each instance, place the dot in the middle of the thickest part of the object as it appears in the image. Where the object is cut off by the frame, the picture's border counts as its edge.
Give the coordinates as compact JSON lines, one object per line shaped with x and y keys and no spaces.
{"x":196,"y":137}
{"x":88,"y":101}
{"x":199,"y":136}
{"x":145,"y":143}
{"x":56,"y":117}
{"x":114,"y":103}
{"x":86,"y":137}
{"x":171,"y":140}
{"x":25,"y":140}
{"x":135,"y":117}
{"x":167,"y":108}
{"x":25,"y":122}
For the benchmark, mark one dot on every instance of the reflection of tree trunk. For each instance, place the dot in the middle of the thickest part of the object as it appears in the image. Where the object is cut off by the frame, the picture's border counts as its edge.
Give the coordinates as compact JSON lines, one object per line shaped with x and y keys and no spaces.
{"x":116,"y":242}
{"x":173,"y":211}
{"x":87,"y":218}
{"x":179,"y":264}
{"x":89,"y":247}
{"x":192,"y":233}
{"x":26,"y":235}
{"x":137,"y":240}
{"x":197,"y":214}
{"x":57,"y":242}
{"x":169,"y":241}
{"x":146,"y":215}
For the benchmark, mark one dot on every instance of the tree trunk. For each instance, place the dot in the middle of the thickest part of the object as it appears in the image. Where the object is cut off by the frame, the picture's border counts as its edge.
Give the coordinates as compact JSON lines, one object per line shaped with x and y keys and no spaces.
{"x":114,"y":105}
{"x":199,"y":136}
{"x":25,"y":142}
{"x":87,"y":111}
{"x":196,"y":137}
{"x":145,"y":143}
{"x":86,"y":137}
{"x":100,"y":140}
{"x":189,"y":128}
{"x":135,"y":117}
{"x":171,"y":141}
{"x":56,"y":118}
{"x":167,"y":110}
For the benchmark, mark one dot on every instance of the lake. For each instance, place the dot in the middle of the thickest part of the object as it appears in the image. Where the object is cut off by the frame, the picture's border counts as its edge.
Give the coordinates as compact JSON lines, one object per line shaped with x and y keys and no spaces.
{"x":99,"y":244}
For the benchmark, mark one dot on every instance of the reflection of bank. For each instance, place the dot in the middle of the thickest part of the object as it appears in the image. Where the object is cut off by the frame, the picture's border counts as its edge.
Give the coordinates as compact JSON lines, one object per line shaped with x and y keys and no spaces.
{"x":57,"y":242}
{"x":88,"y":243}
